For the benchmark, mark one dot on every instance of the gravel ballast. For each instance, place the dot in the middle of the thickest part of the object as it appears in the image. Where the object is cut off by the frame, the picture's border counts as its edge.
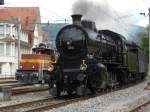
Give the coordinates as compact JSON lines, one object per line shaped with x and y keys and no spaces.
{"x":119,"y":101}
{"x":25,"y":98}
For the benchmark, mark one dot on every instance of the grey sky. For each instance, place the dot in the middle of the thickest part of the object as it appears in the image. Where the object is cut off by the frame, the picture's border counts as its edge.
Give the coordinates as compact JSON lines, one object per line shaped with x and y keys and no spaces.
{"x":61,"y":9}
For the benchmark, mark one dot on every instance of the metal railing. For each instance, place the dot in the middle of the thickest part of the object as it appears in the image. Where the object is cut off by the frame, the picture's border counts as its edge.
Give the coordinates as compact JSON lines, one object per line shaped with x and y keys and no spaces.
{"x":7,"y":75}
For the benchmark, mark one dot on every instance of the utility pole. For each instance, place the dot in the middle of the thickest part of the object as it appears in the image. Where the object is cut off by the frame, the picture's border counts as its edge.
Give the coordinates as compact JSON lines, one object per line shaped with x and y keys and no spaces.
{"x":149,"y":41}
{"x":148,"y":37}
{"x":18,"y":31}
{"x":48,"y":30}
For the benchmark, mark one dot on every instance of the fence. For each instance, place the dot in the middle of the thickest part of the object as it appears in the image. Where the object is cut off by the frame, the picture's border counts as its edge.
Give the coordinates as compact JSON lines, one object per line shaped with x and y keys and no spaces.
{"x":7,"y":75}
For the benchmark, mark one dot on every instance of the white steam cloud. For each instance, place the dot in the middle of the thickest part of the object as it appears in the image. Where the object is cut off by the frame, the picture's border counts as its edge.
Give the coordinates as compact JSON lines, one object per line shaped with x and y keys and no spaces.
{"x":104,"y":16}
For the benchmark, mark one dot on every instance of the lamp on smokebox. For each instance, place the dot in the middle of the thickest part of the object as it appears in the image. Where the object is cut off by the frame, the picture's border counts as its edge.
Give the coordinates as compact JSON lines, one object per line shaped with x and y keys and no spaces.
{"x":1,"y":2}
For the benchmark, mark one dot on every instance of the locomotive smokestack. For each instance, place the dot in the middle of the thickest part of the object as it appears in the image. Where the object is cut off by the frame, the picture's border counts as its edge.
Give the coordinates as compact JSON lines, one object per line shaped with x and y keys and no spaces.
{"x":76,"y":19}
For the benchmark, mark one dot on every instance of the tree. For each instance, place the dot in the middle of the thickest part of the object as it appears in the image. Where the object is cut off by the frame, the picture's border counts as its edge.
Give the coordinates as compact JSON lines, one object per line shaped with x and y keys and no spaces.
{"x":145,"y":45}
{"x":144,"y":41}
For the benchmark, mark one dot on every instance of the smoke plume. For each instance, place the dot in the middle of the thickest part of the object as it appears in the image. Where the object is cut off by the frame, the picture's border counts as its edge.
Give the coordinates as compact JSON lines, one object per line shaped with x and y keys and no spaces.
{"x":104,"y":16}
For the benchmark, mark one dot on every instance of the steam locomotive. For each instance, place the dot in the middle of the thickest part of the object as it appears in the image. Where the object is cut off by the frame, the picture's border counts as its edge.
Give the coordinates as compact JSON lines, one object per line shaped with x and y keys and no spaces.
{"x":92,"y":59}
{"x":36,"y":67}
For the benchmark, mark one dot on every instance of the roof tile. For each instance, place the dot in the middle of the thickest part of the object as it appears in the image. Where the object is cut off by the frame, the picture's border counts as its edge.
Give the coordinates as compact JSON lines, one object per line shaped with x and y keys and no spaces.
{"x":28,"y":15}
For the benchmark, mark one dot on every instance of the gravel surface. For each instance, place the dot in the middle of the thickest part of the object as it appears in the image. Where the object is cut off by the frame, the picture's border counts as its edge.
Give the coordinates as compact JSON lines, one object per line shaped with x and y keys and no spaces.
{"x":144,"y":109}
{"x":25,"y":97}
{"x":118,"y":101}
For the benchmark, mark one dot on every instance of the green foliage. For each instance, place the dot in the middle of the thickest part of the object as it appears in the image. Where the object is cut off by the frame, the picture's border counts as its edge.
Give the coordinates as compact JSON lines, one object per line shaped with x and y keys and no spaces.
{"x":144,"y":42}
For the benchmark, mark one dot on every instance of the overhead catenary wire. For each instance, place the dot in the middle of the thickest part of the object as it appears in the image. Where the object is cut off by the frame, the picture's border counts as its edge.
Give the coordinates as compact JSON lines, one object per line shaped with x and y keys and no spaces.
{"x":49,"y":11}
{"x":52,"y":13}
{"x":56,"y":20}
{"x":117,"y":21}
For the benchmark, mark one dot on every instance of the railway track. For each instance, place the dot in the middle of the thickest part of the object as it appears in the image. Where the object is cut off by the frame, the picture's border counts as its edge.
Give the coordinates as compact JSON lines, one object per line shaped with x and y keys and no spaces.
{"x":141,"y":107}
{"x":7,"y":81}
{"x":23,"y":106}
{"x":21,"y":88}
{"x":49,"y":103}
{"x":40,"y":105}
{"x":27,"y":89}
{"x":16,"y":84}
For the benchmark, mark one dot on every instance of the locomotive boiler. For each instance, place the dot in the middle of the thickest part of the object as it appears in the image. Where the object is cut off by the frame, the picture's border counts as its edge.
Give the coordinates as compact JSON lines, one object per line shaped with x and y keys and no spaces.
{"x":92,"y":59}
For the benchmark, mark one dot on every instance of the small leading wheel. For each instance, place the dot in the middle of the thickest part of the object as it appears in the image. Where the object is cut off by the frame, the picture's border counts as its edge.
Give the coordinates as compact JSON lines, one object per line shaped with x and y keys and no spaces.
{"x":58,"y":93}
{"x":54,"y":90}
{"x":70,"y":92}
{"x":58,"y":90}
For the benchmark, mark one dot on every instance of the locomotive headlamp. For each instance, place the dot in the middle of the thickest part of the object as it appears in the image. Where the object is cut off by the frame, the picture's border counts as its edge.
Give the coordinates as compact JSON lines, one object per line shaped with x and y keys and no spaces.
{"x":33,"y":67}
{"x":50,"y":68}
{"x":83,"y":66}
{"x":68,"y":42}
{"x":20,"y":66}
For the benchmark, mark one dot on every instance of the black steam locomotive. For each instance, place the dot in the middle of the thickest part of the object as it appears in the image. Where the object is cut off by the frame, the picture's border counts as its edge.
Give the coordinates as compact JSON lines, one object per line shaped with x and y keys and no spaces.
{"x":92,"y":59}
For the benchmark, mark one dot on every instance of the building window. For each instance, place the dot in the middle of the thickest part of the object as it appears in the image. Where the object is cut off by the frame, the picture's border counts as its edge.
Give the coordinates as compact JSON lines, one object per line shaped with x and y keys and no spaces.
{"x":14,"y":31}
{"x":1,"y":29}
{"x":8,"y":49}
{"x":0,"y":69}
{"x":8,"y":29}
{"x":2,"y":49}
{"x":13,"y":50}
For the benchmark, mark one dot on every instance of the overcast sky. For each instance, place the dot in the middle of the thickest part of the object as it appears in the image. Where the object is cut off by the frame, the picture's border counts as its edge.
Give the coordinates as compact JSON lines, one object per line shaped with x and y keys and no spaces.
{"x":61,"y":9}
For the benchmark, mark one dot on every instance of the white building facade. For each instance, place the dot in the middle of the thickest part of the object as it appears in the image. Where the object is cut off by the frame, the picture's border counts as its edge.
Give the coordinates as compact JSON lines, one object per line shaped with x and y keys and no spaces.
{"x":30,"y":36}
{"x":9,"y":48}
{"x":37,"y":36}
